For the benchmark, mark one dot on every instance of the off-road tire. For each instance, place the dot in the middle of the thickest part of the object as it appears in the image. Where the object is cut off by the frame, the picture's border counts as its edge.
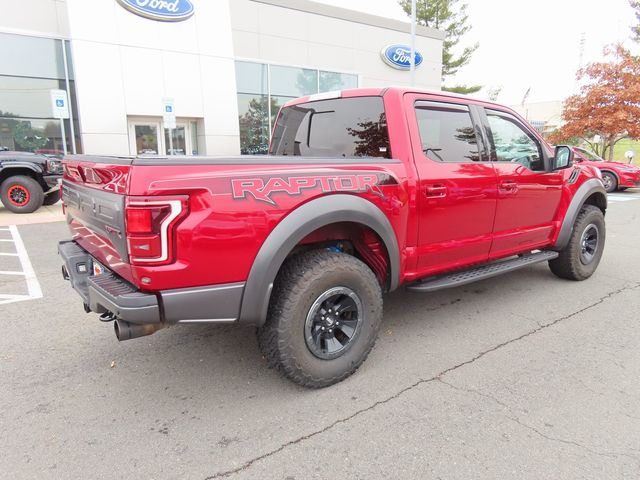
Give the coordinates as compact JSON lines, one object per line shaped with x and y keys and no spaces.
{"x":51,"y":198}
{"x":610,"y":182}
{"x":303,"y":279}
{"x":570,"y":264}
{"x":21,"y":183}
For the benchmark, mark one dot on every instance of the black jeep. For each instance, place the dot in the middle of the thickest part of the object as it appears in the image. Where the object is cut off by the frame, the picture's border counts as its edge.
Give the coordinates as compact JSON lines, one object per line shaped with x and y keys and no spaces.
{"x":28,"y":181}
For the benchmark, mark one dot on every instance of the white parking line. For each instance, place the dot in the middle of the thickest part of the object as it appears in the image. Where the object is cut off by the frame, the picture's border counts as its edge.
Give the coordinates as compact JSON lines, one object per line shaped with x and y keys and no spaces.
{"x":33,"y":286}
{"x":622,"y":197}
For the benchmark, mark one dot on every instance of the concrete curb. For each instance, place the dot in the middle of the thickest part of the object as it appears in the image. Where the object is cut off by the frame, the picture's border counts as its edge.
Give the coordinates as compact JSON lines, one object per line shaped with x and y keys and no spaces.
{"x":44,"y":214}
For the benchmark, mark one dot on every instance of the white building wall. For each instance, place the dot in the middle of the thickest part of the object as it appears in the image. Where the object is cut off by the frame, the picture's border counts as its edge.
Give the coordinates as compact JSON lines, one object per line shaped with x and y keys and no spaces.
{"x":35,"y":17}
{"x":288,"y":32}
{"x":126,"y":64}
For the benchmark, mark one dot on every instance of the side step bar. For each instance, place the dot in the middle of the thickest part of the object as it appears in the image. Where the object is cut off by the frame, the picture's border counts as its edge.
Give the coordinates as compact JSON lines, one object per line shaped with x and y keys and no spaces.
{"x":463,"y":277}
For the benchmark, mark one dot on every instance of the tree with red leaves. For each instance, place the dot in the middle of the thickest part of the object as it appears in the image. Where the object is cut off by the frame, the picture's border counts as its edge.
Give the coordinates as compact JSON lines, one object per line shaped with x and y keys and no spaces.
{"x":608,"y":106}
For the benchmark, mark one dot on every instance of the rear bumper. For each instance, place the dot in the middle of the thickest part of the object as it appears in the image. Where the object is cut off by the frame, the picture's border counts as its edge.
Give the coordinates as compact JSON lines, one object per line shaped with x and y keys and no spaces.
{"x":110,"y":293}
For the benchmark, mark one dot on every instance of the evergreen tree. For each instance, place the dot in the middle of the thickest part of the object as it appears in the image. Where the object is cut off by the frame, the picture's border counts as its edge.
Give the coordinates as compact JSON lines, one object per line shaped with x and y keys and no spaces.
{"x":635,"y":4}
{"x":445,"y":15}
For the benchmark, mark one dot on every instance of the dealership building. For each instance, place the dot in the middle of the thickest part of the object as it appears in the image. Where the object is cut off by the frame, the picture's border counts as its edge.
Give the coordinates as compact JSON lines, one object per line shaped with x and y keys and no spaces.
{"x":190,"y":77}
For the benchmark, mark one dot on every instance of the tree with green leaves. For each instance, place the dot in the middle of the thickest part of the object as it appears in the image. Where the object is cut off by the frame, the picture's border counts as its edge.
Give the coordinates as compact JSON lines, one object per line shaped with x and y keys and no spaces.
{"x":607,"y":109}
{"x":452,"y":19}
{"x":27,"y":138}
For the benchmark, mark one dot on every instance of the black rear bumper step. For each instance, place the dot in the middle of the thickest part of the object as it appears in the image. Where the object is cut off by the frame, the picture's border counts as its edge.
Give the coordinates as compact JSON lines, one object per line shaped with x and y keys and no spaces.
{"x":109,"y":293}
{"x":463,"y":277}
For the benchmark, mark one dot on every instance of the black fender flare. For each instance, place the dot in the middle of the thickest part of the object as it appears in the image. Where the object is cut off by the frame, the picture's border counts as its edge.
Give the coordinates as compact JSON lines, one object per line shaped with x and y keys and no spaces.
{"x":296,"y":226}
{"x":586,"y":190}
{"x":13,"y":165}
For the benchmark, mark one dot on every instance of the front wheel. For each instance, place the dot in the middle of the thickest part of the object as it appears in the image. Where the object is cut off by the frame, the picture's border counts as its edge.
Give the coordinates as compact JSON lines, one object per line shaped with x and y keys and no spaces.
{"x":324,"y":317}
{"x":21,"y":194}
{"x":610,"y":182}
{"x":580,"y":258}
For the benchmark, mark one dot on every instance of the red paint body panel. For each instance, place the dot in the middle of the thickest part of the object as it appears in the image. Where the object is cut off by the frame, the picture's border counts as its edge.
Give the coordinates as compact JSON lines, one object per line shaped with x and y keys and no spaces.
{"x":234,"y":207}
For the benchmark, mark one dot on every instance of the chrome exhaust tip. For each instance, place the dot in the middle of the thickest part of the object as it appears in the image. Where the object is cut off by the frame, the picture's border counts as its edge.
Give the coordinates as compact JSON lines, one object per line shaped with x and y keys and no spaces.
{"x":129,"y":331}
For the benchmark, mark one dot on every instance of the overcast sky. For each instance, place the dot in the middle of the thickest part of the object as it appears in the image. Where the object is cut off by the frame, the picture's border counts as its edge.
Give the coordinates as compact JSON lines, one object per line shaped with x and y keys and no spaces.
{"x":526,"y":44}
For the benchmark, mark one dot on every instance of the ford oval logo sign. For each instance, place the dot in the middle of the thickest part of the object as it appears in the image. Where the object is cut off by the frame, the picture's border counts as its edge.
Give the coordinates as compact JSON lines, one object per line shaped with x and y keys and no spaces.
{"x":399,"y":56}
{"x":161,"y":10}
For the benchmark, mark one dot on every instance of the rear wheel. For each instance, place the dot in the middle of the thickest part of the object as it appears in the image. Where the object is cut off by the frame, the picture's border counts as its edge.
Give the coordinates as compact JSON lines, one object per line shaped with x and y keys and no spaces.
{"x":323,"y":319}
{"x":610,"y":182}
{"x":21,"y":194}
{"x":580,"y":258}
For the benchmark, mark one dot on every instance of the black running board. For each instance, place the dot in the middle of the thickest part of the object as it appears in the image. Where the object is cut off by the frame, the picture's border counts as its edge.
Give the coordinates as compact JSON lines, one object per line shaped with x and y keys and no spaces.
{"x":463,"y":277}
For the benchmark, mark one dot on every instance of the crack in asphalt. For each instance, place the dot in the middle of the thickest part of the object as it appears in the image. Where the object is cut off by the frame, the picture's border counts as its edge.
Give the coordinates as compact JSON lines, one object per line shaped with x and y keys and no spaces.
{"x":512,"y":417}
{"x":438,"y":377}
{"x":574,"y":443}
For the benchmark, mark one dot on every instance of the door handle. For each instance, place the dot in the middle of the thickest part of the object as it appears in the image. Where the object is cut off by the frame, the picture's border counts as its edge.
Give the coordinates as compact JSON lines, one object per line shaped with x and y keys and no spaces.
{"x":509,"y":186}
{"x":436,"y":191}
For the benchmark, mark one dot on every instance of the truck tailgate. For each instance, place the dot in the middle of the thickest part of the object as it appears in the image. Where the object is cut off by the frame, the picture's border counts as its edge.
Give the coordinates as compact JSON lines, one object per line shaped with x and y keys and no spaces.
{"x":95,"y":212}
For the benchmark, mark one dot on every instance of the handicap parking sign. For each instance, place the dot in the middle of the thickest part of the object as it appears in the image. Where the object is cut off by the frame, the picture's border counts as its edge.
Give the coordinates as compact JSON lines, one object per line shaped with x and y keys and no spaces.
{"x":59,"y":104}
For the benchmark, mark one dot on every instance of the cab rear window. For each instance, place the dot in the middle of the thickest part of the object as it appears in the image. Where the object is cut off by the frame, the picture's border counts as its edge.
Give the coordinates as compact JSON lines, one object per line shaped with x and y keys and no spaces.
{"x":343,"y":128}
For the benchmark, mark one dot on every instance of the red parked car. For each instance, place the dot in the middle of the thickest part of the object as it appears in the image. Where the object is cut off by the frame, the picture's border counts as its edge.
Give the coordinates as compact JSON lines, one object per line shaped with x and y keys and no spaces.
{"x":615,"y":175}
{"x":363,"y":191}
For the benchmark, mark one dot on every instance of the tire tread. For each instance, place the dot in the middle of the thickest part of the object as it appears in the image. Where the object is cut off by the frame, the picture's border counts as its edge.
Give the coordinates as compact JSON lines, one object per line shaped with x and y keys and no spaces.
{"x":568,"y":265}
{"x":289,"y":286}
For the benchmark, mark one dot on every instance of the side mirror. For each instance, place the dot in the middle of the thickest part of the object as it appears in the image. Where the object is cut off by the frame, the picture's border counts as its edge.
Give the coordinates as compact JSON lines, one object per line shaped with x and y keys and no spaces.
{"x":563,"y":158}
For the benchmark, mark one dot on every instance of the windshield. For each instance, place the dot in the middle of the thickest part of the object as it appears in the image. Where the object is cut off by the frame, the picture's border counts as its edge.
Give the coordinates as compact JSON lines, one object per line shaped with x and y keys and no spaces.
{"x":587,"y":155}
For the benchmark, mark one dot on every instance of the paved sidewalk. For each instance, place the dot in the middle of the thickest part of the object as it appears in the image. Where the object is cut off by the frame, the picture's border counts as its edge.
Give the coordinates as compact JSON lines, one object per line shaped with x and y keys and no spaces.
{"x":49,"y":214}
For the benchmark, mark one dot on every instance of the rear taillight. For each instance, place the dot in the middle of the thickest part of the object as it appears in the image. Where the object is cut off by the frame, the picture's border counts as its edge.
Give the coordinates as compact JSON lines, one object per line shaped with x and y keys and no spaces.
{"x":150,"y":227}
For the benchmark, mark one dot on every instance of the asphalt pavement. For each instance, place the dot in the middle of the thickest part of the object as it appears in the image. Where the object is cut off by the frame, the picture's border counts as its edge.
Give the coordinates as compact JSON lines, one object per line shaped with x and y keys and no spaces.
{"x":524,"y":376}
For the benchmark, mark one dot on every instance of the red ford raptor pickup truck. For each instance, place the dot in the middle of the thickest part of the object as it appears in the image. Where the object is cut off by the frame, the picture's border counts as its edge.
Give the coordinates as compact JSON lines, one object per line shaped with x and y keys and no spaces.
{"x":363,"y":191}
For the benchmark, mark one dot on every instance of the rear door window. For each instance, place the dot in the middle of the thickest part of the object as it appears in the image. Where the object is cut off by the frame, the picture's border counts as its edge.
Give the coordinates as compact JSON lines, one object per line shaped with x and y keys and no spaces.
{"x":343,"y":128}
{"x":447,"y":132}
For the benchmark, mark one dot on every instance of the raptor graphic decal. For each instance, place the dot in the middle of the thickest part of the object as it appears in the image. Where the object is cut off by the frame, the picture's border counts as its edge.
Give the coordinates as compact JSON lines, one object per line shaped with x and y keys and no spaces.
{"x":264,"y":189}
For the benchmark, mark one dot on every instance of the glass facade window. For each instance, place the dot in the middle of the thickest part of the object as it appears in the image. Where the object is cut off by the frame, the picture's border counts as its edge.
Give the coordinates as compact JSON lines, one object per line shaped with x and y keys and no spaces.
{"x":330,"y":81}
{"x":263,"y":89}
{"x":254,"y":123}
{"x":147,"y":139}
{"x":193,"y":129}
{"x":31,"y":135}
{"x":293,"y":82}
{"x":178,"y":140}
{"x":30,"y":68}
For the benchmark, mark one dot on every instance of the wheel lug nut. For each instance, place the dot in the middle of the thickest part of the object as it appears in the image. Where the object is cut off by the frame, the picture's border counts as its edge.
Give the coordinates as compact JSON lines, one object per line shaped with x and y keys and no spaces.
{"x":337,"y":323}
{"x":322,"y":328}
